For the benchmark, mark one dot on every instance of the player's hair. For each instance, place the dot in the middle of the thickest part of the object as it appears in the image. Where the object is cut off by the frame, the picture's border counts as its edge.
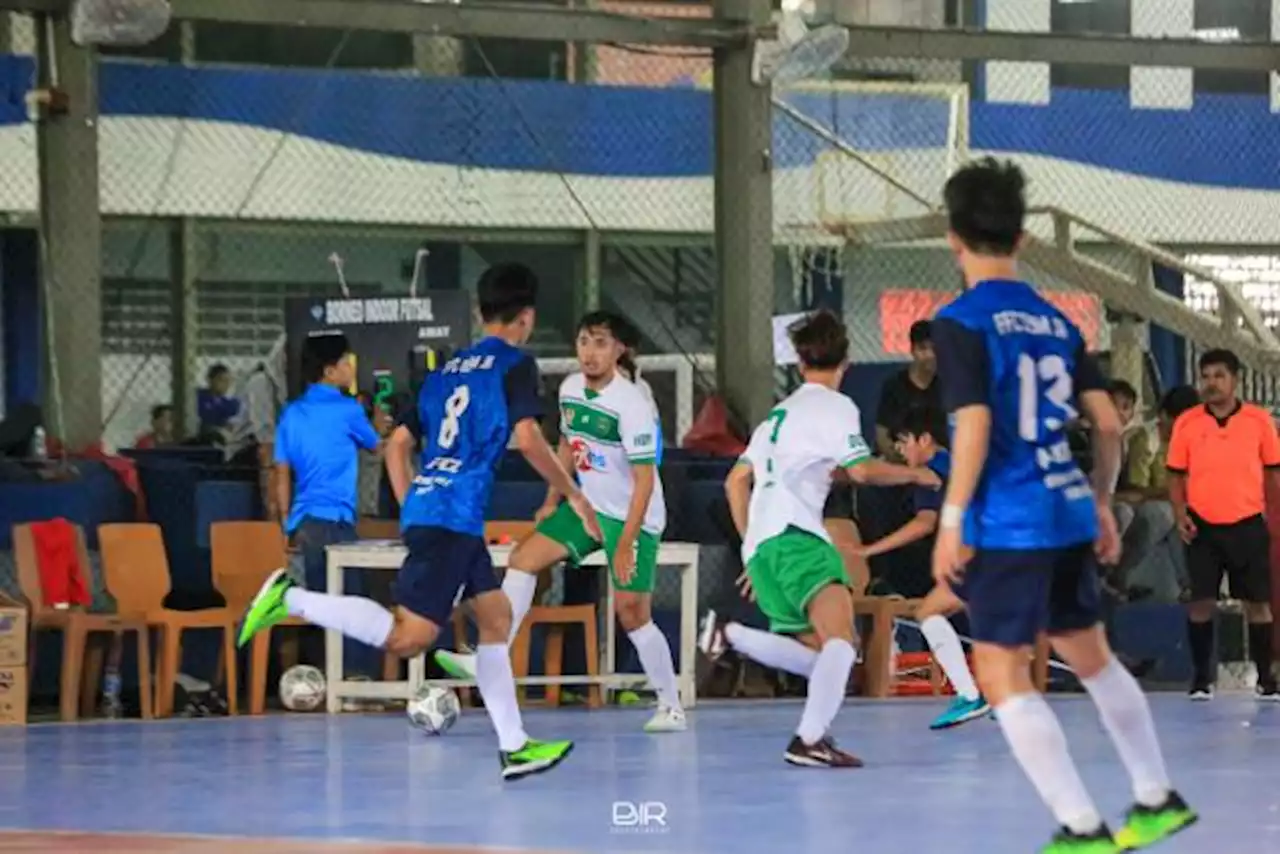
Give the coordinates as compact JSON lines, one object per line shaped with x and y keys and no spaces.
{"x":216,"y":371}
{"x":1122,"y":388}
{"x":921,"y":333}
{"x":986,"y":205}
{"x":320,"y":352}
{"x":1178,"y":400}
{"x":821,"y":340}
{"x":920,"y":421}
{"x":505,"y":290}
{"x":160,"y":409}
{"x":623,"y":331}
{"x":1223,"y":357}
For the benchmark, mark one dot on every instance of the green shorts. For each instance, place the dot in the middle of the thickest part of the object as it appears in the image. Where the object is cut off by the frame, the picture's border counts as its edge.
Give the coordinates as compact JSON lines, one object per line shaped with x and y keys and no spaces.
{"x":787,"y":571}
{"x":564,"y":527}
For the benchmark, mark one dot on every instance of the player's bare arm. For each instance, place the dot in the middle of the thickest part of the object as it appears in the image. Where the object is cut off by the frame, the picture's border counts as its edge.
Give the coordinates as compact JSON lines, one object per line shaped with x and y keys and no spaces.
{"x":283,"y":490}
{"x":643,"y":476}
{"x":533,"y":445}
{"x":1107,"y":456}
{"x":565,"y":454}
{"x":398,"y":458}
{"x":921,"y":526}
{"x":737,"y":489}
{"x":870,"y":471}
{"x":969,"y":444}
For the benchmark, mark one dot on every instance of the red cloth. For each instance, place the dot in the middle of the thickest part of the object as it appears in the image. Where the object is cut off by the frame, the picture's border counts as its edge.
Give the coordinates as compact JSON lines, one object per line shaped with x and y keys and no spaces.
{"x":711,"y":433}
{"x":145,"y":442}
{"x":63,"y":580}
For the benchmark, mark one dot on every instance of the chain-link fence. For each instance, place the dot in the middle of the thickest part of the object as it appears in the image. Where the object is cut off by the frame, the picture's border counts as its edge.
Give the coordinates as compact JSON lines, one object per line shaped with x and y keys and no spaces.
{"x":239,"y":165}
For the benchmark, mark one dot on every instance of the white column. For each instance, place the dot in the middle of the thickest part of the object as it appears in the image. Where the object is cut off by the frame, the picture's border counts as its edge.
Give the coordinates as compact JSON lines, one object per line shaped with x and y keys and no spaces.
{"x":1018,"y":82}
{"x":1162,"y":88}
{"x":1275,"y":37}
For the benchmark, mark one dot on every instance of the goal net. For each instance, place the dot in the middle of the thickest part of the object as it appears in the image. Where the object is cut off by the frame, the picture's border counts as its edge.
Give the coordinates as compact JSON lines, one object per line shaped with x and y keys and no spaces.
{"x":849,"y":152}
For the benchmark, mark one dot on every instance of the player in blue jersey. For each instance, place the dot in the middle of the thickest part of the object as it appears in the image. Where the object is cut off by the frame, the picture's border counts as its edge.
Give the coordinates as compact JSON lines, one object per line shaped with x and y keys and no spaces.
{"x":919,"y":437}
{"x":1020,"y":524}
{"x":467,"y":412}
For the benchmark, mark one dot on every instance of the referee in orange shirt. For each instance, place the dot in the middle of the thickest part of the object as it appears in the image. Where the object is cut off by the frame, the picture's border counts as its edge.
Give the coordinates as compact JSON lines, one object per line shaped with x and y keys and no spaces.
{"x":1217,"y":456}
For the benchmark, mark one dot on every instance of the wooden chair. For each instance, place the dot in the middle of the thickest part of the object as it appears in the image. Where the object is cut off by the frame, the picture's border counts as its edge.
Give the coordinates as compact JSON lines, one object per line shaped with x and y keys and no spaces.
{"x":82,"y":661}
{"x":243,"y":555}
{"x":877,"y":645}
{"x":137,"y":575}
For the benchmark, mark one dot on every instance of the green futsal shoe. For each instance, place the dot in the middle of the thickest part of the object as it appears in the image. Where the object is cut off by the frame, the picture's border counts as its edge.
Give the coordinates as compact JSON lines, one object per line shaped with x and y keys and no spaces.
{"x":534,"y":758}
{"x":1145,"y":826}
{"x":1098,"y":842}
{"x":268,"y":607}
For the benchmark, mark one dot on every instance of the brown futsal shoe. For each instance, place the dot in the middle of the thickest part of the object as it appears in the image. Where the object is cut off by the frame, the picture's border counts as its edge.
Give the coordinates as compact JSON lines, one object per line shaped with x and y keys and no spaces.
{"x":824,"y":754}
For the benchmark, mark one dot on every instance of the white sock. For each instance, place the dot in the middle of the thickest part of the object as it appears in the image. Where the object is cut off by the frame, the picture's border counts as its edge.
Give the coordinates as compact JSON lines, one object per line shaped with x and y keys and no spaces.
{"x":1040,"y":746}
{"x":1127,"y":718}
{"x":827,"y":686}
{"x":655,"y":658}
{"x":498,"y":690}
{"x":771,"y":650}
{"x":945,"y":643}
{"x":356,"y":617}
{"x":519,"y":587}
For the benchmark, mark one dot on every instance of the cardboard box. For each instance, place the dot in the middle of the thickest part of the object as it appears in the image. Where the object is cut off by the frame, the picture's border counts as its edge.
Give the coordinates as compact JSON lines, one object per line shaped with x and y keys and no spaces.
{"x":13,"y":696}
{"x":13,"y":633}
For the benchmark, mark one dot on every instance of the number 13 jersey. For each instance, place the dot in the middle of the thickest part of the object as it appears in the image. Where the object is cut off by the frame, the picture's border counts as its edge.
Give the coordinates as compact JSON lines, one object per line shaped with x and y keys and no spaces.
{"x":610,"y":431}
{"x":1003,"y":346}
{"x":464,"y":417}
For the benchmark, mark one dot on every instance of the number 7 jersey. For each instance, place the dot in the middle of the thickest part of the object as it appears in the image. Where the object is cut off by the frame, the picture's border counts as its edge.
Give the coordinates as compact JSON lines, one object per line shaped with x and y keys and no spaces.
{"x":1003,"y":346}
{"x":465,"y":413}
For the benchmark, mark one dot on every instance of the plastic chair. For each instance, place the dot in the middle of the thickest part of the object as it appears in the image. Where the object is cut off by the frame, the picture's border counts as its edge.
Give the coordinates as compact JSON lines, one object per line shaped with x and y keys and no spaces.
{"x":81,"y":662}
{"x":137,"y":576}
{"x":243,"y":555}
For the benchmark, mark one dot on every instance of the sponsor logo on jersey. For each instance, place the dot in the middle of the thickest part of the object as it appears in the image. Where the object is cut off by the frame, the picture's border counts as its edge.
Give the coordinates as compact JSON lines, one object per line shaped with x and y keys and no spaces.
{"x":644,"y":440}
{"x":585,"y":459}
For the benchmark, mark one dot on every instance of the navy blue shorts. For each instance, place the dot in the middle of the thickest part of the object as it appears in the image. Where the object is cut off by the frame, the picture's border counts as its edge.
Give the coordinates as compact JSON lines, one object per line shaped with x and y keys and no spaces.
{"x":1013,"y":596}
{"x":443,"y":568}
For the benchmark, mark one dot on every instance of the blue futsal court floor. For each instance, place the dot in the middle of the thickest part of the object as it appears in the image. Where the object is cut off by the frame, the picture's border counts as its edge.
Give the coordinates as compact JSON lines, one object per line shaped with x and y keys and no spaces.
{"x":307,"y":782}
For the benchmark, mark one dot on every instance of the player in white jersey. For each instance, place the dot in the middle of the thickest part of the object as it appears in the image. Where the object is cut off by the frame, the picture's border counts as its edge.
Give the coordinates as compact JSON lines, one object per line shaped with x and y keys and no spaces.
{"x":609,"y":436}
{"x":776,"y":495}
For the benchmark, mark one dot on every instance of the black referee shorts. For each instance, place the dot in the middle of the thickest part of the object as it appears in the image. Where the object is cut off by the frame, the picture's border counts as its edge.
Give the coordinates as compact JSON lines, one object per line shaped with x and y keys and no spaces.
{"x":1240,"y":550}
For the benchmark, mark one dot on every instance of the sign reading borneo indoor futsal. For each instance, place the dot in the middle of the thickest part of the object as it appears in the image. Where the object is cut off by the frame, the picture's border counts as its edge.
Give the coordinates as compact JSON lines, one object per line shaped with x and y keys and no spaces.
{"x":395,"y":340}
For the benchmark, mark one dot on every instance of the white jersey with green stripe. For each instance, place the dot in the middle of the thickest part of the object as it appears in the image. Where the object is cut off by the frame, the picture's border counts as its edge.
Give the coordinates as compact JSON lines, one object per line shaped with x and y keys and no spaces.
{"x":793,"y":455}
{"x":611,"y":430}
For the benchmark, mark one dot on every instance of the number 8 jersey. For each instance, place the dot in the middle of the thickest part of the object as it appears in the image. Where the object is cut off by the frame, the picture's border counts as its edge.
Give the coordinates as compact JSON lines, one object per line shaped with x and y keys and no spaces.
{"x":464,"y":417}
{"x":1003,"y":346}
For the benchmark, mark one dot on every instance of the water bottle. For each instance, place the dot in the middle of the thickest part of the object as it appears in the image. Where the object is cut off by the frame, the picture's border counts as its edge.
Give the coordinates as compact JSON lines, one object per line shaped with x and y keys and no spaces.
{"x":39,"y":445}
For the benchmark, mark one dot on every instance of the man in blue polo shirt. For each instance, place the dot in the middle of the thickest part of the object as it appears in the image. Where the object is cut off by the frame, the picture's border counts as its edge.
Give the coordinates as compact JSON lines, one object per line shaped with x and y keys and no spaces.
{"x":316,"y":456}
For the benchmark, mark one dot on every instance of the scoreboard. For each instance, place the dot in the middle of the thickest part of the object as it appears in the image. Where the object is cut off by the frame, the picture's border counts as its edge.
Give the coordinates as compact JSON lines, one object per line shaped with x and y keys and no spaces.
{"x":395,"y":340}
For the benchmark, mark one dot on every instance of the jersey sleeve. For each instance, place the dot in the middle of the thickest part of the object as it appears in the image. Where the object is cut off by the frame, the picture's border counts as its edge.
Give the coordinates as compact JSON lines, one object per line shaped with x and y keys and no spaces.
{"x":755,"y":453}
{"x":1178,"y":458}
{"x":925,"y":499}
{"x":849,"y":448}
{"x":964,"y":365}
{"x":362,"y":432}
{"x":1270,"y":443}
{"x":1088,"y":376}
{"x":638,"y":428}
{"x":522,"y":387}
{"x":281,"y":448}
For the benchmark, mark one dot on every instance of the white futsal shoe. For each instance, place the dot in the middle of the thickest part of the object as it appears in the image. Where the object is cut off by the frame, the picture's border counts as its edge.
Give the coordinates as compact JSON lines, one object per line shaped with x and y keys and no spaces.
{"x":667,"y":720}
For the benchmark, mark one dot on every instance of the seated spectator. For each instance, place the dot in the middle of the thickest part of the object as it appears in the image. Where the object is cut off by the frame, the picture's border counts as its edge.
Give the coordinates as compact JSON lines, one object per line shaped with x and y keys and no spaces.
{"x":215,"y":407}
{"x":1153,"y":562}
{"x":161,"y":433}
{"x":914,"y":387}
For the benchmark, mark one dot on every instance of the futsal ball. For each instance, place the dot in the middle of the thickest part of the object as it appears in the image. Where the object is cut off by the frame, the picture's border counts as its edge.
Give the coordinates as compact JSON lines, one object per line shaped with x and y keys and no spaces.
{"x":434,"y":710}
{"x":302,"y":688}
